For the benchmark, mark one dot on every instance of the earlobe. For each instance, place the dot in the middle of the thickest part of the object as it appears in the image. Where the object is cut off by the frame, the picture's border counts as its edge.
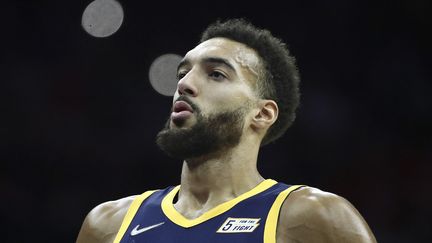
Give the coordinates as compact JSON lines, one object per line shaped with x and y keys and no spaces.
{"x":266,"y":115}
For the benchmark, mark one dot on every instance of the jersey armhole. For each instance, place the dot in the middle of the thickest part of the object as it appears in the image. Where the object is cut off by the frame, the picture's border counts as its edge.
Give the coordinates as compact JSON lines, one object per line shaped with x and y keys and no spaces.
{"x":273,"y":215}
{"x":133,"y":208}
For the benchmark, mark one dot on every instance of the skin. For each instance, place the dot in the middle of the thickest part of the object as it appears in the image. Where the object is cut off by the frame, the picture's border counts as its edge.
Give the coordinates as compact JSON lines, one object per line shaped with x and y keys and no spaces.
{"x":307,"y":215}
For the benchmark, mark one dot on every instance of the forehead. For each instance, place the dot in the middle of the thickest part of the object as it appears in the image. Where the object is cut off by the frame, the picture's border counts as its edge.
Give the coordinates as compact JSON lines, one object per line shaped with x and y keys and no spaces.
{"x":237,"y":53}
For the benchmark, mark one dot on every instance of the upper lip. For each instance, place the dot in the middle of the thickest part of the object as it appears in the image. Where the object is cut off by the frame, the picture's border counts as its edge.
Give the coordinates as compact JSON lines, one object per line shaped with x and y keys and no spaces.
{"x":182,"y":106}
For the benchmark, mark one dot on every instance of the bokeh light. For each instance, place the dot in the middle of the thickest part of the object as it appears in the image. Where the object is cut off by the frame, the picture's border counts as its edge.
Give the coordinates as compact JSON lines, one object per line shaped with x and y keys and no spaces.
{"x":102,"y":18}
{"x":163,"y":74}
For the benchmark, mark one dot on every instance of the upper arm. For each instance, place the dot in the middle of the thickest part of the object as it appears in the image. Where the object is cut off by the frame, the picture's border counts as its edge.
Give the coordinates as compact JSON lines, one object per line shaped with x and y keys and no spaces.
{"x":103,"y":222}
{"x":311,"y":215}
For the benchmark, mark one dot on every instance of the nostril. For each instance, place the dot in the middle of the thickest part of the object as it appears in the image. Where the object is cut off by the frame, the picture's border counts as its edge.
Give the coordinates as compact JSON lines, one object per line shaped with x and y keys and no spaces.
{"x":189,"y":91}
{"x":179,"y":91}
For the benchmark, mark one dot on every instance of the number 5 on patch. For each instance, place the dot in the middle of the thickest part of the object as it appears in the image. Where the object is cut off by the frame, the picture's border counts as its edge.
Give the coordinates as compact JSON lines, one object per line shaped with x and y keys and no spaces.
{"x":239,"y":225}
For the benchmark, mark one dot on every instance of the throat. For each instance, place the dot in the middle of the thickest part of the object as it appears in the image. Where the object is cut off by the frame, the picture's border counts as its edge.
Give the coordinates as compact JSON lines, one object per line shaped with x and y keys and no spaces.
{"x":194,"y":203}
{"x":213,"y":181}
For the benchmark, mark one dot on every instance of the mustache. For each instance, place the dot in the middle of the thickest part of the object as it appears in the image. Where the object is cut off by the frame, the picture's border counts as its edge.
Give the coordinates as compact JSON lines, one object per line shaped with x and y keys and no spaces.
{"x":189,"y":101}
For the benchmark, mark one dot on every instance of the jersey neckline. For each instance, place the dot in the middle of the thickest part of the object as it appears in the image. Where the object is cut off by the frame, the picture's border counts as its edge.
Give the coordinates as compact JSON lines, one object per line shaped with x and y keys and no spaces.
{"x":177,"y":218}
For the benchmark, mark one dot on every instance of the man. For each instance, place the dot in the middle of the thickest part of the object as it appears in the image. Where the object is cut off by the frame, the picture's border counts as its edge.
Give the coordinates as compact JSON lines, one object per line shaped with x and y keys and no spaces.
{"x":237,"y":91}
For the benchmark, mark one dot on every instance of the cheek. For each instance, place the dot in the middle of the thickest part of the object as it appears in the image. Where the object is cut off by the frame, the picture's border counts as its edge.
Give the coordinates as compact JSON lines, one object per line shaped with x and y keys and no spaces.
{"x":227,"y":97}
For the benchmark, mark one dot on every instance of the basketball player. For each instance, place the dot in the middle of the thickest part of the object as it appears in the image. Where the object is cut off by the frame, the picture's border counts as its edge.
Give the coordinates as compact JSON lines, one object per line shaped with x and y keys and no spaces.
{"x":237,"y":91}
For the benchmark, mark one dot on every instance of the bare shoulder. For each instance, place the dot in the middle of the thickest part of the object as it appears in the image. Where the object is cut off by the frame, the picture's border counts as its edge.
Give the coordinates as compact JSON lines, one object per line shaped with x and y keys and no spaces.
{"x":103,"y":222}
{"x":313,"y":215}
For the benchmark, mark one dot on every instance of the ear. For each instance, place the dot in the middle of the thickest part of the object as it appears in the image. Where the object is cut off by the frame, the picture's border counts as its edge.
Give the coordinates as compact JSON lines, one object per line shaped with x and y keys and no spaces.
{"x":266,"y":115}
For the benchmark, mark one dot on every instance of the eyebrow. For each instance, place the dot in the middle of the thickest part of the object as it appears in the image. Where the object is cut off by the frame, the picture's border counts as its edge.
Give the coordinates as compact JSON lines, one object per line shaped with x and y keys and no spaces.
{"x":209,"y":60}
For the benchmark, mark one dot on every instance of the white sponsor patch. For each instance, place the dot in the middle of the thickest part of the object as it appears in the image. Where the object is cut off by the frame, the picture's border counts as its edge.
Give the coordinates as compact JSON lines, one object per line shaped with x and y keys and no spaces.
{"x":238,"y":225}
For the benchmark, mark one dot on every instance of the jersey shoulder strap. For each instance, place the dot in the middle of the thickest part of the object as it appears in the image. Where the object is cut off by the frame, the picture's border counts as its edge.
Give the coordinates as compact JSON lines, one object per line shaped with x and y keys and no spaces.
{"x":273,"y":215}
{"x":133,"y":208}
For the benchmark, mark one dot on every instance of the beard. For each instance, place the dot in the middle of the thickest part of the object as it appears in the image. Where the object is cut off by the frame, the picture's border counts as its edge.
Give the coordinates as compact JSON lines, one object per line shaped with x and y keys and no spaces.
{"x":209,"y":135}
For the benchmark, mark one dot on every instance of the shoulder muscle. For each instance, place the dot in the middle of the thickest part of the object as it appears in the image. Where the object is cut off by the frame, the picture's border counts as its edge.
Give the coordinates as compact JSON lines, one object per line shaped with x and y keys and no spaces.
{"x":312,"y":215}
{"x":103,"y":222}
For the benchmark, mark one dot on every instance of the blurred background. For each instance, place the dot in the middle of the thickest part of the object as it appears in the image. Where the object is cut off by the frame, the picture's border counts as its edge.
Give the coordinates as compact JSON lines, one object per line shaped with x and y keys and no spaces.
{"x":79,"y":115}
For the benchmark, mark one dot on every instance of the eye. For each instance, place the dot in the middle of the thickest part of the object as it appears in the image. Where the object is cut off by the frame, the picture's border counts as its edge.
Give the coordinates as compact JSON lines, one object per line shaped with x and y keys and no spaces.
{"x":181,"y":74}
{"x":216,"y":75}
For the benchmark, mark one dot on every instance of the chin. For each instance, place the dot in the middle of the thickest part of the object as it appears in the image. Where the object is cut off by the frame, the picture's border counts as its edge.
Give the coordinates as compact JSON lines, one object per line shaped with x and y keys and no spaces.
{"x":182,"y":124}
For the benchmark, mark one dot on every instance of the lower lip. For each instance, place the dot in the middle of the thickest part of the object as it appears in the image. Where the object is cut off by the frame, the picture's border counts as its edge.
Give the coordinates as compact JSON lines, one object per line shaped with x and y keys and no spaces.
{"x":182,"y":115}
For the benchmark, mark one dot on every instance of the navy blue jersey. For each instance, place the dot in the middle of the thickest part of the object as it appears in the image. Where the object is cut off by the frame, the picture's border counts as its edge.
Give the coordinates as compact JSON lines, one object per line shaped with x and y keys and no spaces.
{"x":251,"y":217}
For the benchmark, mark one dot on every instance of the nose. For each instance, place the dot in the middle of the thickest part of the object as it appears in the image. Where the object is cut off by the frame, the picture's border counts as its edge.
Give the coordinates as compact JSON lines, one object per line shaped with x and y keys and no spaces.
{"x":186,"y":85}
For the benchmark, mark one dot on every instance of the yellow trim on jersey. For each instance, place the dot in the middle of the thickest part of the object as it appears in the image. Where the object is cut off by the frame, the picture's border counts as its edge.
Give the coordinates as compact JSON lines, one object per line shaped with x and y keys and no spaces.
{"x":177,"y":218}
{"x":136,"y":203}
{"x":273,"y":215}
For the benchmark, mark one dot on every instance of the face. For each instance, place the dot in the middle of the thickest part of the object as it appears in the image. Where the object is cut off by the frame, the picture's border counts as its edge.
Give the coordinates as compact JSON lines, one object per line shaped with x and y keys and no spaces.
{"x":213,"y":101}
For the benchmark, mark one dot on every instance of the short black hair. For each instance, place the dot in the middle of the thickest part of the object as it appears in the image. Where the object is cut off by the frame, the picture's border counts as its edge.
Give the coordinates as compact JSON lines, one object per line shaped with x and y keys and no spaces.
{"x":280,"y":78}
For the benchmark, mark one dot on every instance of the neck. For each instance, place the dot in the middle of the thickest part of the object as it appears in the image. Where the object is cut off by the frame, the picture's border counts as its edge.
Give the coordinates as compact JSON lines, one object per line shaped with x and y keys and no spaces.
{"x":209,"y":181}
